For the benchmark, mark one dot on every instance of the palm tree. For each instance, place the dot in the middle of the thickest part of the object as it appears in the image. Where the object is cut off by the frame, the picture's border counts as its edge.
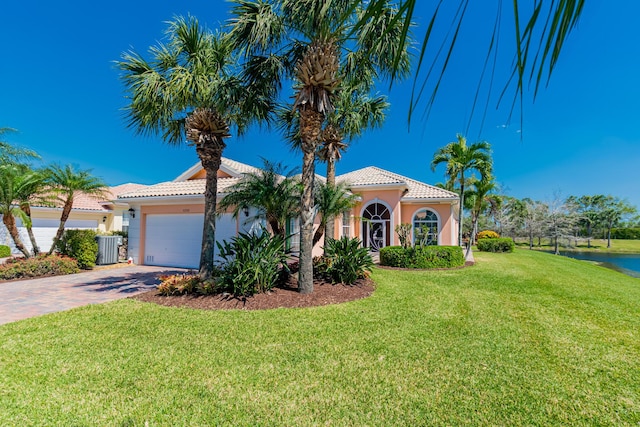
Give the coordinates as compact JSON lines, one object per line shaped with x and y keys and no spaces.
{"x":481,"y":198}
{"x":460,"y":159}
{"x":538,"y":39}
{"x":331,"y":200}
{"x":273,"y":190}
{"x":67,"y":182}
{"x":316,"y":36}
{"x":190,"y":89}
{"x":9,"y":153}
{"x":18,"y":184}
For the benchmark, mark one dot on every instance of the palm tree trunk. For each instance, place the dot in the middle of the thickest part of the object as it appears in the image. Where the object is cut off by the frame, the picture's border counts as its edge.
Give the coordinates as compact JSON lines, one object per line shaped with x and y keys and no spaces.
{"x":34,"y":244}
{"x":10,"y":223}
{"x":310,"y":126}
{"x":210,"y":155}
{"x":66,"y":211}
{"x":319,"y":232}
{"x":330,"y":222}
{"x":461,"y":208}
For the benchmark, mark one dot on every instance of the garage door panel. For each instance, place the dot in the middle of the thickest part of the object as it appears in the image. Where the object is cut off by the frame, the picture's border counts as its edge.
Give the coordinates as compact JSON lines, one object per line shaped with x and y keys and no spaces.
{"x":175,"y":240}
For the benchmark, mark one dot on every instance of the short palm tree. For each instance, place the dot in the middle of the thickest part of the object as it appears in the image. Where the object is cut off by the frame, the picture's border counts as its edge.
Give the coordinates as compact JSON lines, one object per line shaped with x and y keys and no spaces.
{"x":10,"y":153}
{"x":190,"y":89}
{"x":274,"y":191}
{"x":18,"y":185}
{"x":462,"y":159}
{"x":331,"y":201}
{"x":67,"y":182}
{"x":316,"y":36}
{"x":481,"y":198}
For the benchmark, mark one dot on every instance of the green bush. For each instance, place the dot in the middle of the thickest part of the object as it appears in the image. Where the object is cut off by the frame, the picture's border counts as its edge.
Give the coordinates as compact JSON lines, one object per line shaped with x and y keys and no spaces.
{"x":5,"y":251}
{"x":625,"y":233}
{"x":496,"y":245}
{"x":345,"y":261}
{"x":80,"y":245}
{"x":422,"y":257}
{"x":20,"y":268}
{"x":487,"y":234}
{"x":251,"y":263}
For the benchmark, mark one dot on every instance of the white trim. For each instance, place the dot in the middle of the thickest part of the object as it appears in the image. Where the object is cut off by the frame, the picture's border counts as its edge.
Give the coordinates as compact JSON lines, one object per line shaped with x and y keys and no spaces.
{"x":441,"y":201}
{"x":413,"y":216}
{"x":184,"y":176}
{"x":399,"y":185}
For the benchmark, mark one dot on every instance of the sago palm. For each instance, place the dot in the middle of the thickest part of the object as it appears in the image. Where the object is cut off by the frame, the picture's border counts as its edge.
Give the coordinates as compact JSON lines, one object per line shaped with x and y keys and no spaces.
{"x":461,"y":159}
{"x":67,"y":182}
{"x":190,"y":89}
{"x":316,"y":36}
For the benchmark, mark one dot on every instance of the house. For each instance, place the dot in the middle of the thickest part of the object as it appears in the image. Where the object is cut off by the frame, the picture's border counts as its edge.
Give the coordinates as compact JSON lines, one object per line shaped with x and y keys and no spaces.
{"x":167,"y":221}
{"x":87,"y":213}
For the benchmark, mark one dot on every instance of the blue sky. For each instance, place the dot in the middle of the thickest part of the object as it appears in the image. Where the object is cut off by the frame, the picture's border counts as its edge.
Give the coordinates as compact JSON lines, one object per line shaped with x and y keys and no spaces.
{"x":581,"y":136}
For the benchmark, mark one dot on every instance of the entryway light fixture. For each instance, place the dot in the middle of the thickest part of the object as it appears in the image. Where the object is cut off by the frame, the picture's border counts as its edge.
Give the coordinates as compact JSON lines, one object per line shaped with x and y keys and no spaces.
{"x":132,"y":212}
{"x":104,"y":219}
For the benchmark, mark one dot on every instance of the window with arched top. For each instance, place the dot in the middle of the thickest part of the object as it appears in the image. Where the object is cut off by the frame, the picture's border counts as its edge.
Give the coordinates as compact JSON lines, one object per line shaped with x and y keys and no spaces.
{"x":376,"y":226}
{"x":425,"y":228}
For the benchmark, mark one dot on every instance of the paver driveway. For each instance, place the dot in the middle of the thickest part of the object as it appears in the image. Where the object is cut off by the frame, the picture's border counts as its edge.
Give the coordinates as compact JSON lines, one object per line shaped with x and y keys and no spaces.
{"x":34,"y":297}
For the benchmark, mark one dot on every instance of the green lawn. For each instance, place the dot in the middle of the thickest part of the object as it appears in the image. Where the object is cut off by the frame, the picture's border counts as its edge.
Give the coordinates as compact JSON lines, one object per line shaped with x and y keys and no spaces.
{"x":597,"y":245}
{"x":519,"y":339}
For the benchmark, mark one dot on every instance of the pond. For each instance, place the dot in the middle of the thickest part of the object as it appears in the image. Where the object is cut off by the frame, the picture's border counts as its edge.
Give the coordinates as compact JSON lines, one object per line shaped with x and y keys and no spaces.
{"x":625,"y":263}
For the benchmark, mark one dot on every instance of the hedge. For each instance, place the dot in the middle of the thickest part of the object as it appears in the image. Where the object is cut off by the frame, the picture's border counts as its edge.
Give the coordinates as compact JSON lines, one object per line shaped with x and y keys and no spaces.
{"x":422,"y":257}
{"x":19,"y":268}
{"x":5,"y":251}
{"x":625,"y":233}
{"x":496,"y":245}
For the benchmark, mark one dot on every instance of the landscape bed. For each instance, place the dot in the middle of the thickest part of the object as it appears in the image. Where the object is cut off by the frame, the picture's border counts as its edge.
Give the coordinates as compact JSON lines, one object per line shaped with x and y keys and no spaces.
{"x":525,"y":338}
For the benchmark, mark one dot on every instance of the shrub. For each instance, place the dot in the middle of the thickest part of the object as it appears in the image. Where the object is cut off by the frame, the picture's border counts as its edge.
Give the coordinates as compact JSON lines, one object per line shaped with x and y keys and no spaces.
{"x":251,"y":263}
{"x":81,"y":245}
{"x":404,"y":234}
{"x":178,"y":284}
{"x":625,"y":233}
{"x":345,"y":261}
{"x":5,"y":251}
{"x":496,"y":245}
{"x":487,"y":234}
{"x":424,"y":257}
{"x":20,"y":268}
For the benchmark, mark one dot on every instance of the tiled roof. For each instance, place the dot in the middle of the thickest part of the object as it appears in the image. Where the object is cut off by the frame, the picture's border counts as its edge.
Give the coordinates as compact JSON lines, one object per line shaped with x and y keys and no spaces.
{"x":238,"y":167}
{"x":82,"y":201}
{"x":372,"y":176}
{"x":192,"y":187}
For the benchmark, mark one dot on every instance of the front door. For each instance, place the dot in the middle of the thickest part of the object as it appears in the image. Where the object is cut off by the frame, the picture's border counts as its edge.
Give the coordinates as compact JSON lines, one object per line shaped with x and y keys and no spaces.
{"x":376,"y":227}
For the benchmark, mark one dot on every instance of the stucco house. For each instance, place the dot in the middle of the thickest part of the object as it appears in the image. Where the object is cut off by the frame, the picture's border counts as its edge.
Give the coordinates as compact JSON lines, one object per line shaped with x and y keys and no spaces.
{"x":166,"y":220}
{"x":87,"y":213}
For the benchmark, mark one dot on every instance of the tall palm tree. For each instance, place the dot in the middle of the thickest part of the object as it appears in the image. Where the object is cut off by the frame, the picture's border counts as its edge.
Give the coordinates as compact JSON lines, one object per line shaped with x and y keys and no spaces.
{"x":273,"y":190}
{"x":18,"y":184}
{"x":331,"y":200}
{"x":190,"y":89}
{"x":481,"y":198}
{"x":461,"y":159}
{"x":67,"y":182}
{"x":316,"y":35}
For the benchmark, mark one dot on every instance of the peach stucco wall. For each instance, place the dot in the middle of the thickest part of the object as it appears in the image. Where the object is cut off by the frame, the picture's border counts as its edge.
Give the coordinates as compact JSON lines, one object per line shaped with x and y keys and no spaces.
{"x":400,"y":213}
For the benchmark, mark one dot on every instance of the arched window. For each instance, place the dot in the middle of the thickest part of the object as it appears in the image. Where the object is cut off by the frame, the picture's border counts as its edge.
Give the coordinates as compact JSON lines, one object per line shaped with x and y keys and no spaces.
{"x":425,"y":228}
{"x":376,"y":227}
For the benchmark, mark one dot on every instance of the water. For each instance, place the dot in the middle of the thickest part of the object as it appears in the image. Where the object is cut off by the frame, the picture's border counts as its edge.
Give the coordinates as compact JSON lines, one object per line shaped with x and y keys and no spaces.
{"x":625,"y":263}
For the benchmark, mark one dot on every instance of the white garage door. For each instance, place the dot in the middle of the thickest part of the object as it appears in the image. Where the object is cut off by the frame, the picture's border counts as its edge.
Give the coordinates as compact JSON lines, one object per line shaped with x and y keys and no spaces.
{"x":175,"y":240}
{"x":45,"y":230}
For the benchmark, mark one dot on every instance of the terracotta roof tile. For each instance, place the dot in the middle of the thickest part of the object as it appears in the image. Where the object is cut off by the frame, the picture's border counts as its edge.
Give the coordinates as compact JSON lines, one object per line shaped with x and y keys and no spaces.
{"x":371,"y":176}
{"x":178,"y":188}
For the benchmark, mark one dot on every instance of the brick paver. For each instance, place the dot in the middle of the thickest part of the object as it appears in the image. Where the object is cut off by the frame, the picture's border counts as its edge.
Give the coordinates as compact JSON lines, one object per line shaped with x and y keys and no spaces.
{"x":28,"y":298}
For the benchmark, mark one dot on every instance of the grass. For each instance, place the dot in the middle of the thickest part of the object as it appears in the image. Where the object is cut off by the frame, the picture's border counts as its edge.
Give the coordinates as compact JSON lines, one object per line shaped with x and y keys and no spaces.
{"x":597,"y":245}
{"x":519,"y":339}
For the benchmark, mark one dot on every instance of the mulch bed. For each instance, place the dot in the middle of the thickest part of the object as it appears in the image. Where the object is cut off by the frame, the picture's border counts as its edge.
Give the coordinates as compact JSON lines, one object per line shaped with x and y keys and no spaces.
{"x":281,"y":297}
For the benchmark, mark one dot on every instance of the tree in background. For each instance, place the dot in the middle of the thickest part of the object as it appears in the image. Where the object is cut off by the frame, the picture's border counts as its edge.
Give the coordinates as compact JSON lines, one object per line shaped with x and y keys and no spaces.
{"x":460,"y":161}
{"x":67,"y":182}
{"x":561,"y":218}
{"x":589,"y":210}
{"x":190,"y":89}
{"x":274,"y":190}
{"x":481,"y":199}
{"x":613,"y":210}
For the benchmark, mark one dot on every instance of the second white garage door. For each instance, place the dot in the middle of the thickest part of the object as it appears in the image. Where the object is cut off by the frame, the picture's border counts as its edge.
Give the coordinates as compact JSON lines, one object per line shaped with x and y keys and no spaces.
{"x":175,"y":240}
